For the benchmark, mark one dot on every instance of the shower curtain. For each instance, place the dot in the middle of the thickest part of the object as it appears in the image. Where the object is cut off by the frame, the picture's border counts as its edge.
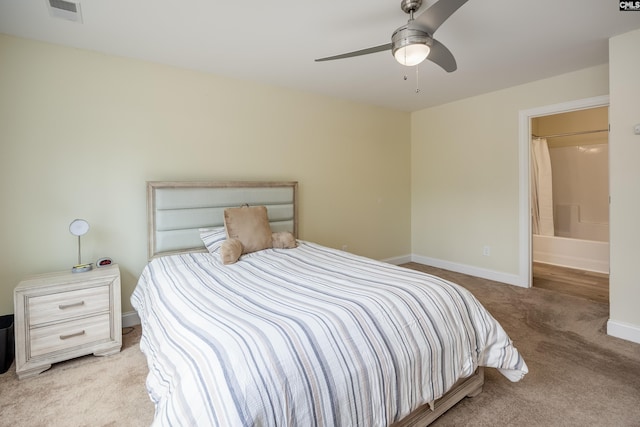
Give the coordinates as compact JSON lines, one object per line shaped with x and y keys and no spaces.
{"x":541,"y":190}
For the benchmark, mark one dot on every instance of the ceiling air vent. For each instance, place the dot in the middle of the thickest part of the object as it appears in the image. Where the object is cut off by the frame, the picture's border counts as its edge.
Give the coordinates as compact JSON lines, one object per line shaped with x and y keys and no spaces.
{"x":65,"y":9}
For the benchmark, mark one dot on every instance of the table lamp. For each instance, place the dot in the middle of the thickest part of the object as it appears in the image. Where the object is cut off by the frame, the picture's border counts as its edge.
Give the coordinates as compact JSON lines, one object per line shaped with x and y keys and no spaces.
{"x":79,"y":227}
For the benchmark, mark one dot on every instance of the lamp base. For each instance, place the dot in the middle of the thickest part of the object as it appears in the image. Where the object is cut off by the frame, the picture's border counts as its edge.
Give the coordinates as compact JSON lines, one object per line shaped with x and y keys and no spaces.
{"x":81,"y":268}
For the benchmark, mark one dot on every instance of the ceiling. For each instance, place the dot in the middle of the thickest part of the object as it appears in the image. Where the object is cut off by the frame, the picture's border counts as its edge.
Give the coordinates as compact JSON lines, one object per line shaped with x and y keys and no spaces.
{"x":497,"y":43}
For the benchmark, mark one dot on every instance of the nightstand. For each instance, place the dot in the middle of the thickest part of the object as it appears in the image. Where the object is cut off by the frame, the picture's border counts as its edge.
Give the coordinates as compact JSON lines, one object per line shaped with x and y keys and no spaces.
{"x":59,"y":316}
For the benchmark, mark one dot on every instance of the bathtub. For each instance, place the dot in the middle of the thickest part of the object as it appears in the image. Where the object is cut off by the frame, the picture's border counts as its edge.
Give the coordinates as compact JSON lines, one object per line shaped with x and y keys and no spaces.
{"x":588,"y":255}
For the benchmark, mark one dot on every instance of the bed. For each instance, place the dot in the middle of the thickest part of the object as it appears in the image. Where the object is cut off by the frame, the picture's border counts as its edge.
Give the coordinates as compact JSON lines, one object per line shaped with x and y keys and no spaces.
{"x":297,"y":334}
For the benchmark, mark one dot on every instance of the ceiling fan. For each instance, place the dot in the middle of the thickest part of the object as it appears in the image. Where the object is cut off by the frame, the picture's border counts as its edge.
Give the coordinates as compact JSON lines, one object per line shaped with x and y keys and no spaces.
{"x":413,"y":43}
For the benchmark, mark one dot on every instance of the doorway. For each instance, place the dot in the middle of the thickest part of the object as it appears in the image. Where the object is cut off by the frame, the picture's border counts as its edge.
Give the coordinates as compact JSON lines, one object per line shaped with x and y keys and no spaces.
{"x":570,"y":201}
{"x":527,"y":123}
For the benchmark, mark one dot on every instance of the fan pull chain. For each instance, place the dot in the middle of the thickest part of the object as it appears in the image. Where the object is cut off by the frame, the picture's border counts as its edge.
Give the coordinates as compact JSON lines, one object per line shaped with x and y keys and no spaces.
{"x":405,"y":78}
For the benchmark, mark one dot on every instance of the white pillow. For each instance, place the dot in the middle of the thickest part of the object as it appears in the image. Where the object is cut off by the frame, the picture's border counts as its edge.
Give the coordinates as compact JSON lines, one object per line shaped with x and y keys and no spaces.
{"x":213,"y":238}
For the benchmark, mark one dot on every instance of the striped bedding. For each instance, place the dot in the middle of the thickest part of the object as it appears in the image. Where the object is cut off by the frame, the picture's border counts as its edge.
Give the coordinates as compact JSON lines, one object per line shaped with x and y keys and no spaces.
{"x":309,"y":336}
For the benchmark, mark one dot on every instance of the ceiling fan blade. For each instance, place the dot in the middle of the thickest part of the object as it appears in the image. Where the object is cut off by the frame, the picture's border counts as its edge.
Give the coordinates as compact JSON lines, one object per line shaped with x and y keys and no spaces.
{"x":431,"y":19}
{"x":442,"y":56}
{"x":357,"y":53}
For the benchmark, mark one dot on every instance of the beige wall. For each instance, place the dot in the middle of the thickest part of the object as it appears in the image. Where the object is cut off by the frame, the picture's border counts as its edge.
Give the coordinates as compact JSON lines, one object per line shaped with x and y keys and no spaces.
{"x":82,"y":132}
{"x":624,"y":154}
{"x":464,"y":168}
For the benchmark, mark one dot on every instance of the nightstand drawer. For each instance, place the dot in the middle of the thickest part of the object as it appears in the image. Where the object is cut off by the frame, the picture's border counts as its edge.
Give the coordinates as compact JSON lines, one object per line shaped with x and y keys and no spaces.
{"x":66,"y":335}
{"x":66,"y":305}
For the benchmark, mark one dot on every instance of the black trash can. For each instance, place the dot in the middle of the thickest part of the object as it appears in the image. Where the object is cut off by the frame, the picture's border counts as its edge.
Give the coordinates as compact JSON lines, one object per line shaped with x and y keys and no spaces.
{"x":6,"y":342}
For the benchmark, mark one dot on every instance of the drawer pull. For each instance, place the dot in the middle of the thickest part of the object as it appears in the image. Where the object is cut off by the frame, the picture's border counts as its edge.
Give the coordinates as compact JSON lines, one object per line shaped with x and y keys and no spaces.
{"x":73,"y":304}
{"x":66,"y":337}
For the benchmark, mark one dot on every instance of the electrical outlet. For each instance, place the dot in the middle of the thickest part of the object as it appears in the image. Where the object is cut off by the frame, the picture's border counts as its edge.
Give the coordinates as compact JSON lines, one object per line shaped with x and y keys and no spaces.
{"x":345,"y":247}
{"x":486,"y":250}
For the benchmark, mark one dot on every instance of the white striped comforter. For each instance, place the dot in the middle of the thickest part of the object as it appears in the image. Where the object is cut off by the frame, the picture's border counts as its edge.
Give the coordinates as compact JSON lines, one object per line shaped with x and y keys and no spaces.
{"x":309,"y":336}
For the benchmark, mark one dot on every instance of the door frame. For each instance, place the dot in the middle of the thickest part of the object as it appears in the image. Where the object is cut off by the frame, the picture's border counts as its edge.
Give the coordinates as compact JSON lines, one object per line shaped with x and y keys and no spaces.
{"x":525,"y":276}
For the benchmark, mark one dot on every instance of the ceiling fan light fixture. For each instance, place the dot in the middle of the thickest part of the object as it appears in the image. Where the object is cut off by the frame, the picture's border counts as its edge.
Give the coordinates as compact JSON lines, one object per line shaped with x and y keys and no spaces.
{"x":412,"y":54}
{"x":410,"y":46}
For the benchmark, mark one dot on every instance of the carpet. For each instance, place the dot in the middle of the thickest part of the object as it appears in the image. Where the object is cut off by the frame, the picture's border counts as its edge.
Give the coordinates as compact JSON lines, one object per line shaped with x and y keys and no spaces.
{"x":86,"y":391}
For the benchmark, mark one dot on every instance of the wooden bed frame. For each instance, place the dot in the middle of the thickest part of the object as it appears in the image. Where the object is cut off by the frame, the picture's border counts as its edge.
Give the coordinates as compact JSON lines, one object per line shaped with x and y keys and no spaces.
{"x":177,"y":210}
{"x":427,"y":413}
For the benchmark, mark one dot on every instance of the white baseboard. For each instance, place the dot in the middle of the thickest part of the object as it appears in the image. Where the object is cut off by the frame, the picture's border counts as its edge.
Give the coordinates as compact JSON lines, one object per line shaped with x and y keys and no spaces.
{"x":498,"y":276}
{"x":130,"y":319}
{"x":623,"y":330}
{"x":398,"y":260}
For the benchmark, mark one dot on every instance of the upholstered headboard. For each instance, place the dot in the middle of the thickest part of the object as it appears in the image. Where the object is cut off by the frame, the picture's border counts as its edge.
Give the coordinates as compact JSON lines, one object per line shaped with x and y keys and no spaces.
{"x":178,"y":210}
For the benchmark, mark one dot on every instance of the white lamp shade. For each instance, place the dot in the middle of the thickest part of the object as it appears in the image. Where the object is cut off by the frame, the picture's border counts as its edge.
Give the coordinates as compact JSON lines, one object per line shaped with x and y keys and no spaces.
{"x":412,"y":54}
{"x":78,"y":227}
